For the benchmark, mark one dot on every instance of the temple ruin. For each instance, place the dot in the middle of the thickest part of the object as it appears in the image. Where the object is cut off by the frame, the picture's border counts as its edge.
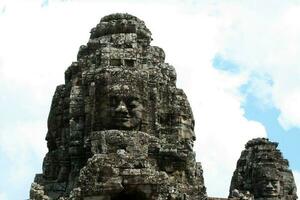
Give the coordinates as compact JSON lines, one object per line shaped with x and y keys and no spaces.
{"x":119,"y":128}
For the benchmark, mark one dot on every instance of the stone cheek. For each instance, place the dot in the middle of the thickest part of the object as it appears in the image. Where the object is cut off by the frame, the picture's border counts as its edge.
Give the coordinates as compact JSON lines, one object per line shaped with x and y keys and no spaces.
{"x":119,"y":127}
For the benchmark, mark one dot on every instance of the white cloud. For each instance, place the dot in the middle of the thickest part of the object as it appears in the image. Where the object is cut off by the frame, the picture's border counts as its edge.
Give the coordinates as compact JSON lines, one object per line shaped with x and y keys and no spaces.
{"x":297,"y":180}
{"x":264,"y":40}
{"x":222,"y":130}
{"x":21,"y":145}
{"x":22,"y":149}
{"x":3,"y":196}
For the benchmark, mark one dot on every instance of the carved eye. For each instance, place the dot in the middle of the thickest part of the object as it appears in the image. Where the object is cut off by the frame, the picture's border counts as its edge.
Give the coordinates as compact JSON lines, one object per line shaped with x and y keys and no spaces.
{"x":113,"y":101}
{"x":184,"y":117}
{"x":274,"y":183}
{"x":133,"y":104}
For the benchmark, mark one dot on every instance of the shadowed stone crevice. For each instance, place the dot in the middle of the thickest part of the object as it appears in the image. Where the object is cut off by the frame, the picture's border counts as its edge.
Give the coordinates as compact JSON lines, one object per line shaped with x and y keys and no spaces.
{"x":129,"y":195}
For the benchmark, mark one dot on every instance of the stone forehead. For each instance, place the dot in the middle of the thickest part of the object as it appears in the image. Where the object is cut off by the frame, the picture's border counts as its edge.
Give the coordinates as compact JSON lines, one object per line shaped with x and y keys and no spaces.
{"x":267,"y":172}
{"x":121,"y":76}
{"x":264,"y":155}
{"x":260,"y":142}
{"x":122,"y":90}
{"x":121,"y":23}
{"x":121,"y":83}
{"x":118,"y":16}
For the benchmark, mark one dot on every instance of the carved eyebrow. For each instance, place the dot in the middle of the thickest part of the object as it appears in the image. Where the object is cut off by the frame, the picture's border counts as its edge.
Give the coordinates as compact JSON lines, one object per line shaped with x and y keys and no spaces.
{"x":113,"y":97}
{"x":133,"y":102}
{"x":275,"y":181}
{"x":132,"y":98}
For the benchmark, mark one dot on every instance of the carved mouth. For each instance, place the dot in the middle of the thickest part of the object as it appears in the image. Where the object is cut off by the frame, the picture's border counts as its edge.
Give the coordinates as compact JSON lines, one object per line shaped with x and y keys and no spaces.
{"x":271,"y":192}
{"x":121,"y":119}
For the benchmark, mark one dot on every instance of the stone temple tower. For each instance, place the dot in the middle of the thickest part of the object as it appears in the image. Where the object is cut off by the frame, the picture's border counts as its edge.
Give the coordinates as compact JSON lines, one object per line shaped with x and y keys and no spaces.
{"x":119,"y":128}
{"x":262,"y":173}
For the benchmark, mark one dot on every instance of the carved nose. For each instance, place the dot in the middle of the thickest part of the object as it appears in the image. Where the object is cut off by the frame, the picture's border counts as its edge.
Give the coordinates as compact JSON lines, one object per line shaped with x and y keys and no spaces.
{"x":122,"y":108}
{"x":270,"y":186}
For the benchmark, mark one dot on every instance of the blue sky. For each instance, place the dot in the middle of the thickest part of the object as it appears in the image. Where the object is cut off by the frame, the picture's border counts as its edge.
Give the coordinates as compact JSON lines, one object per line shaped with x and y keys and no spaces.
{"x":267,"y":114}
{"x":237,"y":61}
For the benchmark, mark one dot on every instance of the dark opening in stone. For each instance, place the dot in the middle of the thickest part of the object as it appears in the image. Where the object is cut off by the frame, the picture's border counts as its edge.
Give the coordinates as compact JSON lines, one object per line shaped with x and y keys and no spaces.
{"x":132,"y":195}
{"x":129,"y":63}
{"x":128,"y":45}
{"x":115,"y":62}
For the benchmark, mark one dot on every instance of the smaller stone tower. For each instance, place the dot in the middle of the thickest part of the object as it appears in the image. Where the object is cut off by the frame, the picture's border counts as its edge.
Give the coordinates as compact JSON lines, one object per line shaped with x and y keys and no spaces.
{"x":262,"y":173}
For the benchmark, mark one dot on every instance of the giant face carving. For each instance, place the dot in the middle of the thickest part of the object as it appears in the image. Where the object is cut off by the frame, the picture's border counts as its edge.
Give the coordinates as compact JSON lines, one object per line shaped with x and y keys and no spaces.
{"x":269,"y":188}
{"x":185,"y":117}
{"x":121,"y":108}
{"x":187,"y":126}
{"x":267,"y":183}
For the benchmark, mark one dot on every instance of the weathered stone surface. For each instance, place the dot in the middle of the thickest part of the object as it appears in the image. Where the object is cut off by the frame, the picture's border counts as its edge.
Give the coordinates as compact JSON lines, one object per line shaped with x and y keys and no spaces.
{"x":37,"y":192}
{"x":262,"y":173}
{"x":119,"y":128}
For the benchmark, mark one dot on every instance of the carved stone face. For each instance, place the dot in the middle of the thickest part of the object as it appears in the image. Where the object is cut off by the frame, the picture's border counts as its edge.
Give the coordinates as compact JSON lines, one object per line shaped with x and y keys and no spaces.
{"x":185,"y":118}
{"x":126,"y":112}
{"x":121,"y":110}
{"x":267,"y":182}
{"x":187,"y":126}
{"x":268,"y":188}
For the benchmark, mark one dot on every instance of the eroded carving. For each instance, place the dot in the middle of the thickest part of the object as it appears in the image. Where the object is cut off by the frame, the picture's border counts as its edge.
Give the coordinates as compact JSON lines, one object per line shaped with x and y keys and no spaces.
{"x":119,"y":126}
{"x":262,"y":173}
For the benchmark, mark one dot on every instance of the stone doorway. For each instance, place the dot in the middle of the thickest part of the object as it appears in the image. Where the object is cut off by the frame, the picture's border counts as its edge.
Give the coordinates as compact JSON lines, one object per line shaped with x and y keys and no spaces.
{"x":130,"y":195}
